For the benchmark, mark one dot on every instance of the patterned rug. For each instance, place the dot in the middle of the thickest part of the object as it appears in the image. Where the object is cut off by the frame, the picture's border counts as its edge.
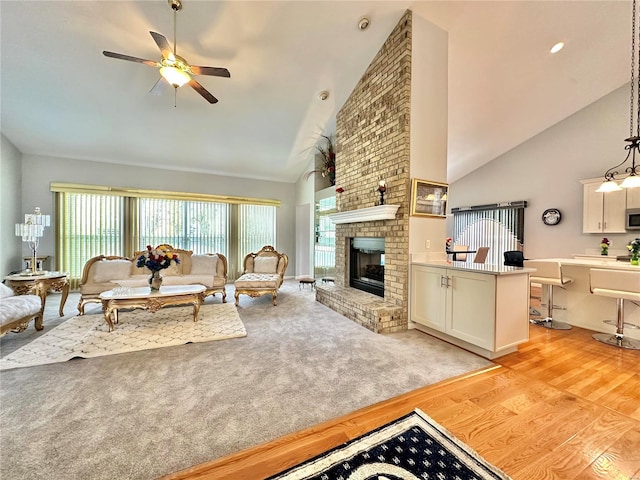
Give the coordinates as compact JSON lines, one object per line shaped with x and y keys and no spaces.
{"x":88,"y":335}
{"x":413,"y":447}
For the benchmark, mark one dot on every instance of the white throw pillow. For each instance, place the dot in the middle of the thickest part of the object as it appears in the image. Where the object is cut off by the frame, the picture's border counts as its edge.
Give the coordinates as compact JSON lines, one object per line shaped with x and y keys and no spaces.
{"x":265,"y":264}
{"x":107,"y":270}
{"x":5,"y":291}
{"x":204,"y":264}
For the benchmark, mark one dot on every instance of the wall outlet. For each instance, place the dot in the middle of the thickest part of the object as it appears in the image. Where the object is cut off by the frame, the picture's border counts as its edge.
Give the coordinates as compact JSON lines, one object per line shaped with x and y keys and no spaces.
{"x":427,"y":243}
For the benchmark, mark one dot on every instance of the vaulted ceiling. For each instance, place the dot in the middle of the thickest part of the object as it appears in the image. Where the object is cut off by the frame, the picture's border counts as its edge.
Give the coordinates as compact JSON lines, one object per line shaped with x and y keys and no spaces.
{"x":61,"y":97}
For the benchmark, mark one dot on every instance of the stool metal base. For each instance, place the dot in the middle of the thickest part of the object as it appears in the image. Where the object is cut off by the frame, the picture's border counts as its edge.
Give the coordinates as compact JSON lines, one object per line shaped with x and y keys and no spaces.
{"x":617,"y":341}
{"x":550,"y":323}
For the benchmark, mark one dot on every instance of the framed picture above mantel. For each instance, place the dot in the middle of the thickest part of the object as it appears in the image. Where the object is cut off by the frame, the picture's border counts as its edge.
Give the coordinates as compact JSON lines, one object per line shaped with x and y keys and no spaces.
{"x":428,"y":199}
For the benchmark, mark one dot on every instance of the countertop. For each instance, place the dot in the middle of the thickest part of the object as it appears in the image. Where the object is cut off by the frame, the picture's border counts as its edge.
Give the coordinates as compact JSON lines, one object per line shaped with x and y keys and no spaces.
{"x":594,"y":263}
{"x":471,"y":267}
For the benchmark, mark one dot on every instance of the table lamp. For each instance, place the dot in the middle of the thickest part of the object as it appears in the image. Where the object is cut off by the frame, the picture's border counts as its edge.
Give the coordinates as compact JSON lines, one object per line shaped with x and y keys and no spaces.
{"x":31,"y":231}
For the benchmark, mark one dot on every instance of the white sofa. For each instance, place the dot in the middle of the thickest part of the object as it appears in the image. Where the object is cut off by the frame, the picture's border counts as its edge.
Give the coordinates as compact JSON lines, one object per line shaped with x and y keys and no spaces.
{"x":16,"y":311}
{"x":103,"y":273}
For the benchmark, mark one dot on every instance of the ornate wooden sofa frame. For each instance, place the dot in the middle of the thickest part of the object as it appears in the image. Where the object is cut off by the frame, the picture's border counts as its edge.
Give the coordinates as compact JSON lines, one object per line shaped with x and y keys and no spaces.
{"x":103,"y":273}
{"x":16,"y":311}
{"x":263,"y":274}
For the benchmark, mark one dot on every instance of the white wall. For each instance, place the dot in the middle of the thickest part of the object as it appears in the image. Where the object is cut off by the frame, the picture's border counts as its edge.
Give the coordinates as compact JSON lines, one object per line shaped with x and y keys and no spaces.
{"x":429,"y":107}
{"x":305,"y":200}
{"x":545,"y":171}
{"x":10,"y":207}
{"x":35,"y":190}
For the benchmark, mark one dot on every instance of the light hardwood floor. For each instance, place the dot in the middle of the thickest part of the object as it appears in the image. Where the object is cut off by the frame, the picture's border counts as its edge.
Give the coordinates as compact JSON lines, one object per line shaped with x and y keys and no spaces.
{"x":563,"y":407}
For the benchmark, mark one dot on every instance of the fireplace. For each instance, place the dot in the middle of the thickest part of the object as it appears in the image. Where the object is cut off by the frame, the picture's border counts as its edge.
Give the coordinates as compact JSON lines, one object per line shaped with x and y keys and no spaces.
{"x":366,"y":264}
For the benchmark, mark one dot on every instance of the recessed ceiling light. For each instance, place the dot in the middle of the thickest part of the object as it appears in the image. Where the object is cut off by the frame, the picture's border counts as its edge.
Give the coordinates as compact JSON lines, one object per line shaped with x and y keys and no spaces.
{"x":557,"y":47}
{"x":323,"y":95}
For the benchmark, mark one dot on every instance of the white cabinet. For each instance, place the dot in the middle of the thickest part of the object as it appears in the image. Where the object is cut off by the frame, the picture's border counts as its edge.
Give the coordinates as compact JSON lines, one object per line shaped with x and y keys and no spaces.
{"x":633,"y":197}
{"x":603,"y":212}
{"x":482,"y":310}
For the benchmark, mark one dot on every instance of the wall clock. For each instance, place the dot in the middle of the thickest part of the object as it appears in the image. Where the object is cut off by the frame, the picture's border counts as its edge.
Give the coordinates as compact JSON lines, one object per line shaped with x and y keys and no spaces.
{"x":551,"y":216}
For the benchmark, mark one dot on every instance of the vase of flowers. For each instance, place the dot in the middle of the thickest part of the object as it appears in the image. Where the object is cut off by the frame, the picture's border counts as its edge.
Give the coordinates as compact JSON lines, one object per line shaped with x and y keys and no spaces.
{"x":328,"y":155}
{"x":447,"y":244}
{"x":156,"y":259}
{"x":604,"y":246}
{"x":634,"y":248}
{"x":328,"y":159}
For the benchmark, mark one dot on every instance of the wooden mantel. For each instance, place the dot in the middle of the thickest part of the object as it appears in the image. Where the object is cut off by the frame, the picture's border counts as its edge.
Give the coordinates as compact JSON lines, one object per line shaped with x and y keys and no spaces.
{"x":370,"y":214}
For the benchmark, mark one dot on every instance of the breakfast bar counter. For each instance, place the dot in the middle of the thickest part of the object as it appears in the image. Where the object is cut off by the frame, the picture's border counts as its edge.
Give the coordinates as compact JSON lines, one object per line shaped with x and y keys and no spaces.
{"x":579,"y":307}
{"x":479,"y":307}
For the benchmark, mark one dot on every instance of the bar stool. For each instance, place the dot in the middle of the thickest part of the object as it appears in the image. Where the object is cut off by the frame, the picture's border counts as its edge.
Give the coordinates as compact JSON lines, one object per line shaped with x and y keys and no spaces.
{"x":622,"y":286}
{"x":548,"y":273}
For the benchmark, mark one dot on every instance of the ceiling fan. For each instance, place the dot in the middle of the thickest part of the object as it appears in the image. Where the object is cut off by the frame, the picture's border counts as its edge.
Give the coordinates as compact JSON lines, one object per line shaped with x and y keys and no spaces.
{"x":173,"y":68}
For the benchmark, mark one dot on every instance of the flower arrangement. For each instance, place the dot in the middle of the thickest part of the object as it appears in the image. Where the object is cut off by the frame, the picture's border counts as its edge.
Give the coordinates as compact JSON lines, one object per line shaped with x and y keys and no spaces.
{"x":634,"y":248}
{"x":328,"y":154}
{"x":448,"y":241}
{"x":156,"y":259}
{"x":604,"y":246}
{"x":328,"y":159}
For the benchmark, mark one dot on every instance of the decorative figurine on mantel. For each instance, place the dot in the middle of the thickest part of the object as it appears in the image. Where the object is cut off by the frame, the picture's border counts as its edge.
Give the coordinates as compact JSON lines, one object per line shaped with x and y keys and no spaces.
{"x":382,"y":187}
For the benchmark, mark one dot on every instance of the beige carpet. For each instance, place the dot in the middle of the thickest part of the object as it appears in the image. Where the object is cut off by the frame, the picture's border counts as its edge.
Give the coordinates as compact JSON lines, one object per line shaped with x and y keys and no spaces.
{"x":88,"y":336}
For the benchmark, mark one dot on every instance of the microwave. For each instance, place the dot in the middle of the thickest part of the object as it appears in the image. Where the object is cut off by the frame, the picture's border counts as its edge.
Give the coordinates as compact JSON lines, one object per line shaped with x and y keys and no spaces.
{"x":633,"y":219}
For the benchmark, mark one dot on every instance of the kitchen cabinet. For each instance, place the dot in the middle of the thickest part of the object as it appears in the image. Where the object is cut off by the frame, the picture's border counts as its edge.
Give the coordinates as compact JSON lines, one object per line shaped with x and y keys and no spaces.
{"x":481,"y":308}
{"x":633,"y":197}
{"x":603,"y":212}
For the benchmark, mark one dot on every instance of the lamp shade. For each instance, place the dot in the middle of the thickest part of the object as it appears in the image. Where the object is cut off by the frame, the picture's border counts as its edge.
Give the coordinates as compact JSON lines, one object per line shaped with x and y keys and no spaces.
{"x":175,"y":76}
{"x":632,"y":181}
{"x":609,"y":186}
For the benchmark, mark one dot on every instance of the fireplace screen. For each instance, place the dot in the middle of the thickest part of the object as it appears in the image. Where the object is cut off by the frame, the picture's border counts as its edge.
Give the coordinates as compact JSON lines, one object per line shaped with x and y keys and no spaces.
{"x":366,"y":264}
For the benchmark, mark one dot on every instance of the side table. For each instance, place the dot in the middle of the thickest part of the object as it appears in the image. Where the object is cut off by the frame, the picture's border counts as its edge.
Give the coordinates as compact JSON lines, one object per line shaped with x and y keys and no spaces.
{"x":40,"y":285}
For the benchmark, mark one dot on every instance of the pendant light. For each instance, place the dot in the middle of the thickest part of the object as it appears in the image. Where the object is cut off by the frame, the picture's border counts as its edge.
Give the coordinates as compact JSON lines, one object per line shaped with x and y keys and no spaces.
{"x":633,"y":179}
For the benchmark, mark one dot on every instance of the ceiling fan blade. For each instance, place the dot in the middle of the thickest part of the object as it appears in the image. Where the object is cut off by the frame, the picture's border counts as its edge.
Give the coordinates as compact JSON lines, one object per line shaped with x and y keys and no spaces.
{"x":160,"y":86}
{"x":202,"y":91}
{"x":163,"y":44}
{"x":129,"y":58}
{"x":213,"y":71}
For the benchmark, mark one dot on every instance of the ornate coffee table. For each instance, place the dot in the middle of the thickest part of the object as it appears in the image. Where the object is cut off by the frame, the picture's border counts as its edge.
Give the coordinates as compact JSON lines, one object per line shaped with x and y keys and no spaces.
{"x":40,"y":284}
{"x":143,"y":297}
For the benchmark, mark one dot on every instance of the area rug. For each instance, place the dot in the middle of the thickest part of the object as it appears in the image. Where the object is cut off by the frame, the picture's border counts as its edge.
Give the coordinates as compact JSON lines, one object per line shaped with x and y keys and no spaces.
{"x":413,"y":447}
{"x":88,"y":335}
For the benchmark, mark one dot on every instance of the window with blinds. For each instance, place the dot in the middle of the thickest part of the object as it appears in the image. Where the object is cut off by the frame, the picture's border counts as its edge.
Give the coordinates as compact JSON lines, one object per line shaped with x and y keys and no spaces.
{"x":256,"y":228}
{"x":498,"y":226}
{"x":122,"y":222}
{"x":198,"y":226}
{"x":88,"y":225}
{"x":325,"y":244}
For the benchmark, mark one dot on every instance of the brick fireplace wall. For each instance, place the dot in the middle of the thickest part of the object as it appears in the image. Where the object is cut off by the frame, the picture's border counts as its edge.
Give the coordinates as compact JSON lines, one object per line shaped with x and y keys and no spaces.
{"x":373,"y":138}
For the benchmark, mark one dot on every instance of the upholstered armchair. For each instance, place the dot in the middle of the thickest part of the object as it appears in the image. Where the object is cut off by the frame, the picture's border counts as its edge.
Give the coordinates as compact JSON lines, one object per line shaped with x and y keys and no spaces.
{"x":263,"y":274}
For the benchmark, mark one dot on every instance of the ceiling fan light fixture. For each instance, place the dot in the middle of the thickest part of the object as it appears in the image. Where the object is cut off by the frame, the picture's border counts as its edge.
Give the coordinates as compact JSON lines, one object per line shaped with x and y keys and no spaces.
{"x":174,"y":76}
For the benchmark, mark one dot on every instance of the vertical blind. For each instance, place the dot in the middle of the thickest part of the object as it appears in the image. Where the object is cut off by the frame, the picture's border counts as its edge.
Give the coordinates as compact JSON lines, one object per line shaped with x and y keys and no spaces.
{"x":499,"y":227}
{"x":256,"y":228}
{"x":197,"y":226}
{"x":89,"y":225}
